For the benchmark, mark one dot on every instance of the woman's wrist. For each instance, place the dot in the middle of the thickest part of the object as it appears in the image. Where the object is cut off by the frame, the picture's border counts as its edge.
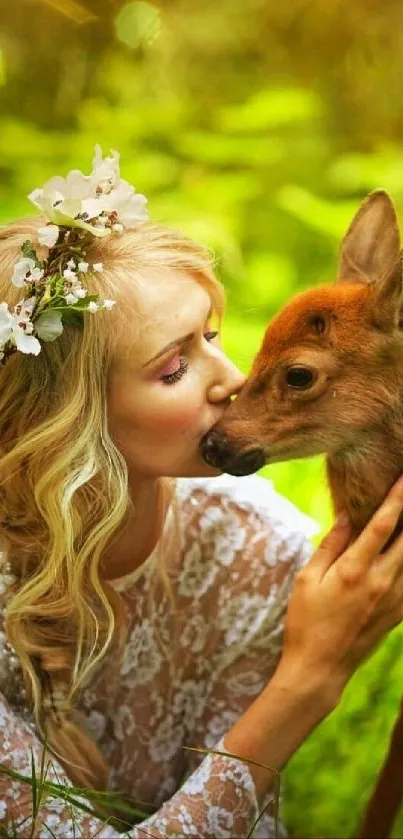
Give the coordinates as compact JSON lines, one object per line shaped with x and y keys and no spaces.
{"x":278,"y":721}
{"x":313,"y":684}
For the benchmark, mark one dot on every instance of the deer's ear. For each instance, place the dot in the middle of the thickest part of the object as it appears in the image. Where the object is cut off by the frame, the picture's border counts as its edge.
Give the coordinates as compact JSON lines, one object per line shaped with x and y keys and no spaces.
{"x":370,"y":249}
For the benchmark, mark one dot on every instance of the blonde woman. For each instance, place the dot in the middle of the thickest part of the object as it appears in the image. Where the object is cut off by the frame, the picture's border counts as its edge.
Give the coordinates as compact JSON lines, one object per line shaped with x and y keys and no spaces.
{"x":143,"y":594}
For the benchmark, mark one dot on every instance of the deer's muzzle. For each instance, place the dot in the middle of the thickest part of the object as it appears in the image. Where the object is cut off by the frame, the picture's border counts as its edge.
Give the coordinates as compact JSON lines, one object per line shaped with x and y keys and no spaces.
{"x":221,"y":453}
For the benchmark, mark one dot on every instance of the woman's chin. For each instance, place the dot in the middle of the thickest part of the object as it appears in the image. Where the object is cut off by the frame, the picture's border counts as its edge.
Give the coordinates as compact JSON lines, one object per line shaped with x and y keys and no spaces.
{"x":200,"y":469}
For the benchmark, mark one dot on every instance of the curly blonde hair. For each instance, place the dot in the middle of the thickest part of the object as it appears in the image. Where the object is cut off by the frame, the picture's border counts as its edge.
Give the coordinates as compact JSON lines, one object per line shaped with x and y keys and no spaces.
{"x":64,"y":485}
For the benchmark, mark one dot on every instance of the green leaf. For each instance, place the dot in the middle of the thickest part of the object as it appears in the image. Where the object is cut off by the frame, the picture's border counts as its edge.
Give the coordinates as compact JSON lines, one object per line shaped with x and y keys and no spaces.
{"x":271,"y":108}
{"x":323,"y":216}
{"x":73,"y":318}
{"x":28,"y":251}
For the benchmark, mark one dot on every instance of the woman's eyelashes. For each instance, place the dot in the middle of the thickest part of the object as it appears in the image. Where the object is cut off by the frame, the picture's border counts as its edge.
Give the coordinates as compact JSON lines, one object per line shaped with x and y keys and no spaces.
{"x":179,"y":365}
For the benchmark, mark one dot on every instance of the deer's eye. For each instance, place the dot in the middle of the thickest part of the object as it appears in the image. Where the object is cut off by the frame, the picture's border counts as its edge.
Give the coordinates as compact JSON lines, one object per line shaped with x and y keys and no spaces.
{"x":318,"y":323}
{"x":299,"y":377}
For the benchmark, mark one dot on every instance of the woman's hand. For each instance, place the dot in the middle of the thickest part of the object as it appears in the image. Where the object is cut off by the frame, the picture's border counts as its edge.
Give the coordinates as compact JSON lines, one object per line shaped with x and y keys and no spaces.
{"x":345,"y":600}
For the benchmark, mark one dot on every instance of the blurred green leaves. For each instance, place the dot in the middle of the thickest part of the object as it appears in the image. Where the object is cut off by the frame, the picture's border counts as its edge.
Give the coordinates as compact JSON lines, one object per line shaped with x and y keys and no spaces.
{"x":271,"y":108}
{"x":138,"y":23}
{"x":328,"y":217}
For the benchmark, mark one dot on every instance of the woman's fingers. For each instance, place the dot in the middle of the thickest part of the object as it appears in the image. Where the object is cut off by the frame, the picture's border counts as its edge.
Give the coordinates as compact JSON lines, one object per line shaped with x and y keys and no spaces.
{"x":378,"y":627}
{"x":332,"y":545}
{"x":390,"y":563}
{"x":379,"y":529}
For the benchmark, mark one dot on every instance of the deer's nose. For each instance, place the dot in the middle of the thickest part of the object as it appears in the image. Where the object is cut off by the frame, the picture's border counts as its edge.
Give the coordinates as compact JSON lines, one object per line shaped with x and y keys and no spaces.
{"x":217,"y":451}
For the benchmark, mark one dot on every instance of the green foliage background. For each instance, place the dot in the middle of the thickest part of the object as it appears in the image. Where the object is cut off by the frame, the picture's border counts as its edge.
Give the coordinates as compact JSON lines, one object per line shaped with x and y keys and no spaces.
{"x":257,"y":128}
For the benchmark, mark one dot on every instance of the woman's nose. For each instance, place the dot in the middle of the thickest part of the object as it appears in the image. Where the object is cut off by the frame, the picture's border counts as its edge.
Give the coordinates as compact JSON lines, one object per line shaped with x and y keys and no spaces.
{"x":230,"y":383}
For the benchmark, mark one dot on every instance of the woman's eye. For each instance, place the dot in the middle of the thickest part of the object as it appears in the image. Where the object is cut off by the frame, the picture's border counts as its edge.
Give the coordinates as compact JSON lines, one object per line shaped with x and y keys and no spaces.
{"x":180,"y":366}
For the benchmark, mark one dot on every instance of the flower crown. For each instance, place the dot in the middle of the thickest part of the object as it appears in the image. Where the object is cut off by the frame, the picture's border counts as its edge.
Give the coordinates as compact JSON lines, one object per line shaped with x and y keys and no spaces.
{"x":79,"y":208}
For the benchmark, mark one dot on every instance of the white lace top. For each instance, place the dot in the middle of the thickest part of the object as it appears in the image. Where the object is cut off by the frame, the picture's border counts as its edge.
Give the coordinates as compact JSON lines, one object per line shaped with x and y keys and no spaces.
{"x":185,"y":677}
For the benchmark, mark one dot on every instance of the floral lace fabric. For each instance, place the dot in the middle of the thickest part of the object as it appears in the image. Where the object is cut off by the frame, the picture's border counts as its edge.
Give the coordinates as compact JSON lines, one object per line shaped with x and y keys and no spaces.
{"x":191,"y":666}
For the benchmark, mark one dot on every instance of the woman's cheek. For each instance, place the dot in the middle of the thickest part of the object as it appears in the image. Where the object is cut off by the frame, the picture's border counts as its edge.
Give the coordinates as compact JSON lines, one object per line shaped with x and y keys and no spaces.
{"x":175,"y":416}
{"x":178,"y":420}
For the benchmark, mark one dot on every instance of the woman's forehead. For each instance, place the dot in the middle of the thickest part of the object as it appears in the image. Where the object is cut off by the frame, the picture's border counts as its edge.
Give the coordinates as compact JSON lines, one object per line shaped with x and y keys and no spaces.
{"x":160,"y":308}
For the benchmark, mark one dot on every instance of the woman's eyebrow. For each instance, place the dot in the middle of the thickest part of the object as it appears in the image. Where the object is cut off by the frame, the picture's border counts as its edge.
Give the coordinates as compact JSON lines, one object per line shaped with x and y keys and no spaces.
{"x":170,"y":346}
{"x":175,"y":343}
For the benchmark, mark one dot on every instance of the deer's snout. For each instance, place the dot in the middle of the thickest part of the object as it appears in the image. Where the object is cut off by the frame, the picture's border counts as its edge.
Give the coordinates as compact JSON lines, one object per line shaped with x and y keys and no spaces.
{"x":218,"y":451}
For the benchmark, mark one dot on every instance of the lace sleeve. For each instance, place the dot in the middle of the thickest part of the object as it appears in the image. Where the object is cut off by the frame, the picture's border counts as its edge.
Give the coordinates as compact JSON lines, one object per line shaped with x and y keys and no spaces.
{"x":218,"y":800}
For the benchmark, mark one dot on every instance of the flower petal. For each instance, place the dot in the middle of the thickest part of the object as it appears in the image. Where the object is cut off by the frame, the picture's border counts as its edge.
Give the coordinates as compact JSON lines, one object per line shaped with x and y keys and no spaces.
{"x":134,"y":211}
{"x":6,"y":320}
{"x":26,"y":343}
{"x":77,"y":184}
{"x":48,"y":235}
{"x":49,"y":325}
{"x":21,"y":269}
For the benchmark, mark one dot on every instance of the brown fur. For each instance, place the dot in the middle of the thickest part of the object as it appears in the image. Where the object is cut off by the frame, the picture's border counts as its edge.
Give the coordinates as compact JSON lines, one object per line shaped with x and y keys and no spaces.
{"x":349,"y":336}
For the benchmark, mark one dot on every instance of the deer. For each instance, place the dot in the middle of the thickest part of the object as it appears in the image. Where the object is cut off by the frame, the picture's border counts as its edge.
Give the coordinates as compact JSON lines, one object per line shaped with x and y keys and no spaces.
{"x":328,"y":379}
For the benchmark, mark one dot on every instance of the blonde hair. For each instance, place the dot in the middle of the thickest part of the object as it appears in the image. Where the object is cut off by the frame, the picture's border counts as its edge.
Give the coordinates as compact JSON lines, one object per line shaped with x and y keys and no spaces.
{"x":64,"y":485}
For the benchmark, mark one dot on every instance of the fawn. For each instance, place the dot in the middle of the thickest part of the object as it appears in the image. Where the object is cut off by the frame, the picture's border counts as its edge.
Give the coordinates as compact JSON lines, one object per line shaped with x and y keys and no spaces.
{"x":328,"y":378}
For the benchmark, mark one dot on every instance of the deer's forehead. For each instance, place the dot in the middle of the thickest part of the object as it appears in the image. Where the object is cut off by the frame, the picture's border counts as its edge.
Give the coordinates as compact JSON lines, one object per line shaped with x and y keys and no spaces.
{"x":338,"y":304}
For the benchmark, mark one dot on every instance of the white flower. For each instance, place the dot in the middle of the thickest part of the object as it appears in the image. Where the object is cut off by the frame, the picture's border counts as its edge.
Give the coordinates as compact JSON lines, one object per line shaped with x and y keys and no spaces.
{"x":21,"y":269}
{"x":48,"y":235}
{"x":105,"y":171}
{"x":71,"y":264}
{"x":93,"y":307}
{"x":29,"y":305}
{"x":80,"y":292}
{"x":17,"y":329}
{"x":48,"y":326}
{"x":36,"y":274}
{"x":68,"y":274}
{"x":83,"y":267}
{"x":79,"y":200}
{"x":70,"y":299}
{"x":109,"y":304}
{"x":98,"y":266}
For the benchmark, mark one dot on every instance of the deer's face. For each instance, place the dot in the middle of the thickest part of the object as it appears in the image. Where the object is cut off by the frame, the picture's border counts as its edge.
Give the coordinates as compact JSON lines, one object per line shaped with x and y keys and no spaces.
{"x":325,"y":378}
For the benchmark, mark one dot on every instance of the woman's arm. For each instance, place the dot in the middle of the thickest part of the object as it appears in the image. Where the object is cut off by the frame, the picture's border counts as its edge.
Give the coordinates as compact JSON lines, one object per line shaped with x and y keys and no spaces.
{"x":277,"y":723}
{"x":341,"y":606}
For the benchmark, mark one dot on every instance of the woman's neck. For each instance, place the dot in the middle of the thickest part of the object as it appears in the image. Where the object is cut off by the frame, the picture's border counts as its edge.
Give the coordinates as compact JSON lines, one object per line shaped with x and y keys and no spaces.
{"x":141,"y":530}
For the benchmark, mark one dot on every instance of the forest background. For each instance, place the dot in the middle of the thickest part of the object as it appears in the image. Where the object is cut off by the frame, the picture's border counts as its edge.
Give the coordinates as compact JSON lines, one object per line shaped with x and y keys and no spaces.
{"x":256,"y":127}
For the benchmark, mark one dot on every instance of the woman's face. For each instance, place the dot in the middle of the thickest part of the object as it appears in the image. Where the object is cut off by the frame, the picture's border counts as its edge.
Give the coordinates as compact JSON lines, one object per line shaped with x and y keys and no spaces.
{"x":170,"y":381}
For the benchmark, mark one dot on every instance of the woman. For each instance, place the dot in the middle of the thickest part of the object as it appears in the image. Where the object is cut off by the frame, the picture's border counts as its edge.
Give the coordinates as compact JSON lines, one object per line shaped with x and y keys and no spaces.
{"x":143,"y":594}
